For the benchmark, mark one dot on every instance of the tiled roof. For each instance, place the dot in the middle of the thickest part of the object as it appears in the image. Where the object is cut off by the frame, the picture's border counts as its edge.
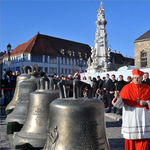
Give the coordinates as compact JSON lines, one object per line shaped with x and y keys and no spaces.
{"x":24,"y":47}
{"x":47,"y":45}
{"x":144,"y":36}
{"x":120,"y":59}
{"x":2,"y":53}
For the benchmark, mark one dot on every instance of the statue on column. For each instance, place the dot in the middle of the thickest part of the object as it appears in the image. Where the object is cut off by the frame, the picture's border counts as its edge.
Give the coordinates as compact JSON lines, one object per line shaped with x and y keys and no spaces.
{"x":109,"y":63}
{"x":89,"y":62}
{"x":93,"y":57}
{"x":93,"y":51}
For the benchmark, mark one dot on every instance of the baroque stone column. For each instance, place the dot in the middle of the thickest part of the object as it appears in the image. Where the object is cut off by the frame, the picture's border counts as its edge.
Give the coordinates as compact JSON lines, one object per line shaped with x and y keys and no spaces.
{"x":100,"y":57}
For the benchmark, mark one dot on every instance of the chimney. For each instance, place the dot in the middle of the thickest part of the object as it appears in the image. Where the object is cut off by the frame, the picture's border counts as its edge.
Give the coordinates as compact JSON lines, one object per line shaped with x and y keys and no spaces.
{"x":126,"y":56}
{"x":114,"y":51}
{"x":118,"y":52}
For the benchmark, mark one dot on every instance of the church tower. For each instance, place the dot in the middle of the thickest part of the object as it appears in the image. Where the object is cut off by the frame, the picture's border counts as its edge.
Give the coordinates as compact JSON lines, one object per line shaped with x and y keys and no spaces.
{"x":100,"y":57}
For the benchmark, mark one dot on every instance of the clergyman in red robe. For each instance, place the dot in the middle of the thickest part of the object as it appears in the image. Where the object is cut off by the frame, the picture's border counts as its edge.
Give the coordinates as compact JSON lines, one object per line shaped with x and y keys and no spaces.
{"x":134,"y":98}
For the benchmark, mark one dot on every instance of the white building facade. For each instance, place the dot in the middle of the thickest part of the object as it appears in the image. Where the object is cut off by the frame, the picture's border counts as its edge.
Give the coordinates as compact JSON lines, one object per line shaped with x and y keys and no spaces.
{"x":66,"y":60}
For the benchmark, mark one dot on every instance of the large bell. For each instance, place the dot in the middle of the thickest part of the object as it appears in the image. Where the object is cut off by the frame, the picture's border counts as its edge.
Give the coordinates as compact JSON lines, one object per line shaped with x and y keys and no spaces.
{"x":33,"y":132}
{"x":76,"y":123}
{"x":24,"y":75}
{"x":16,"y":118}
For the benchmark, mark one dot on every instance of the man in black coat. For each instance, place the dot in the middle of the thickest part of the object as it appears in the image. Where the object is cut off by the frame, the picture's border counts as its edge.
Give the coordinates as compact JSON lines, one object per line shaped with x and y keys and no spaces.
{"x":10,"y":84}
{"x":111,"y":92}
{"x":121,"y":84}
{"x":99,"y":82}
{"x":146,"y":78}
{"x":106,"y":87}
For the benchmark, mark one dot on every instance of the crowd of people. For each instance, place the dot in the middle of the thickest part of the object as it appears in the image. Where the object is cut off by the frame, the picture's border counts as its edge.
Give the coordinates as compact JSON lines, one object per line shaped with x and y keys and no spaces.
{"x":105,"y":86}
{"x":8,"y":84}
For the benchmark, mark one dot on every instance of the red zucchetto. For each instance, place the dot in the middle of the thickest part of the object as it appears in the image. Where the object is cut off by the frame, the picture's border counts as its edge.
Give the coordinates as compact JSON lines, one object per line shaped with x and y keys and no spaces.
{"x":137,"y":72}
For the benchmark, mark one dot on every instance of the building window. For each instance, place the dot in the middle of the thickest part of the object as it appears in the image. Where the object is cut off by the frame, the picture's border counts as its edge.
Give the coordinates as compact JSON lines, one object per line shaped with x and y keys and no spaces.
{"x":79,"y":54}
{"x":65,"y":71}
{"x":72,"y":62}
{"x":62,"y":60}
{"x":86,"y":55}
{"x":65,"y":61}
{"x":75,"y":62}
{"x":69,"y":71}
{"x":52,"y":70}
{"x":68,"y":61}
{"x":62,"y":51}
{"x":36,"y":58}
{"x":25,"y":58}
{"x":46,"y":59}
{"x":46,"y":69}
{"x":53,"y":60}
{"x":69,"y":52}
{"x":62,"y":70}
{"x":143,"y":58}
{"x":19,"y":59}
{"x":73,"y":53}
{"x":15,"y":60}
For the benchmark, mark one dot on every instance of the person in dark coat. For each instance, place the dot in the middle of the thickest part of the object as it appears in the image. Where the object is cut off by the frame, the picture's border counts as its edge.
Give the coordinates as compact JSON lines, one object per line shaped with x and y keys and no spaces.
{"x":111,"y":92}
{"x":100,"y":91}
{"x":70,"y":88}
{"x":129,"y":79}
{"x":10,"y":84}
{"x":146,"y":78}
{"x":99,"y":82}
{"x":121,"y":84}
{"x":106,"y":88}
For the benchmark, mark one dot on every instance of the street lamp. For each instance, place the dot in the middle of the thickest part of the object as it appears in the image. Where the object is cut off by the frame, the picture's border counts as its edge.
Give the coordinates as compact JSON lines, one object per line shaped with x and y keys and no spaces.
{"x":8,"y":50}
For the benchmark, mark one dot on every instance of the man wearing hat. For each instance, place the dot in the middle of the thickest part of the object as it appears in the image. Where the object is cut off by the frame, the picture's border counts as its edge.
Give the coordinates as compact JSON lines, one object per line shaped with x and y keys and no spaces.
{"x":134,"y":98}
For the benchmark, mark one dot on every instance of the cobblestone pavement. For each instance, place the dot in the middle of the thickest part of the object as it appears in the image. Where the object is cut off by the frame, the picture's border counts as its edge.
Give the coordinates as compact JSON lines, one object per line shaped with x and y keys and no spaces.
{"x":4,"y":138}
{"x":113,"y":131}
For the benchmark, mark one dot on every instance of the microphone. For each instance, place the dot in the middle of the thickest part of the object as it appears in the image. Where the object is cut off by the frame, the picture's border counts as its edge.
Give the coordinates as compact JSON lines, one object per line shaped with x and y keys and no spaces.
{"x":116,"y":86}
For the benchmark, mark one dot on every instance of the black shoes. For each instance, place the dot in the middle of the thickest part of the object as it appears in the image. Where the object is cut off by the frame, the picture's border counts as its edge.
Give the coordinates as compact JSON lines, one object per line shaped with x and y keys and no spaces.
{"x":108,"y":111}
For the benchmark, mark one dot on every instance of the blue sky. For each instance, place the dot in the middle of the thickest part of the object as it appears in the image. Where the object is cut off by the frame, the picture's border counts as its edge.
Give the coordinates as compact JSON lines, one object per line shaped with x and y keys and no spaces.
{"x":75,"y":21}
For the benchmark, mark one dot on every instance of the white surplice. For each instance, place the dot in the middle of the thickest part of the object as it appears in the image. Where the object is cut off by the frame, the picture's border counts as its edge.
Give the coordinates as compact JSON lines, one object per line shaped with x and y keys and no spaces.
{"x":135,"y":121}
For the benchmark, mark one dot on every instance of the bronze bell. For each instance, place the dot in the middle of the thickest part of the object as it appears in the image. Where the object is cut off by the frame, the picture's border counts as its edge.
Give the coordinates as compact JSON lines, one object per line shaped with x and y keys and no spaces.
{"x":16,"y":118}
{"x":76,"y":123}
{"x":24,"y":75}
{"x":33,"y":132}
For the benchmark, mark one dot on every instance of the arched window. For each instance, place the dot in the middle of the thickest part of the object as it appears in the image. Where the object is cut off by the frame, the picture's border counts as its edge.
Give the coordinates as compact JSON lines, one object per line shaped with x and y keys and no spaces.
{"x":143,"y":58}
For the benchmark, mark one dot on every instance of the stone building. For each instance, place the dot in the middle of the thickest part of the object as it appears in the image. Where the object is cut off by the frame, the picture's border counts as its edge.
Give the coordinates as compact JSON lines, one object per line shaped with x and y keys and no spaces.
{"x":142,"y":50}
{"x":52,"y":55}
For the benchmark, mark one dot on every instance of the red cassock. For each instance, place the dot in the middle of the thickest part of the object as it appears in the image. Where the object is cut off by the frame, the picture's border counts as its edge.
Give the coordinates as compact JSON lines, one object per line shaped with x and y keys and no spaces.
{"x":143,"y":144}
{"x":130,"y":94}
